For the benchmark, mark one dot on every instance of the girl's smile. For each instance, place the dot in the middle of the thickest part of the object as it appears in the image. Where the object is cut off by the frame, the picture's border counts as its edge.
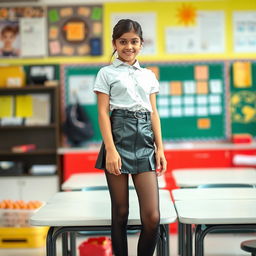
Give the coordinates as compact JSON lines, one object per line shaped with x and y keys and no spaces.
{"x":128,"y":47}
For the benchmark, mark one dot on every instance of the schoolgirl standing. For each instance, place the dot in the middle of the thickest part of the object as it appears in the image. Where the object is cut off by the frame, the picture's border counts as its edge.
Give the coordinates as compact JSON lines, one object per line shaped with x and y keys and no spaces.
{"x":132,"y":142}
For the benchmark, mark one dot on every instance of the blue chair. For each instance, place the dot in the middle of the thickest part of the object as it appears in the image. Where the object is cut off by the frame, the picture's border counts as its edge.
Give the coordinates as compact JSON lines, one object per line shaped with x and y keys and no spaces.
{"x":249,"y":246}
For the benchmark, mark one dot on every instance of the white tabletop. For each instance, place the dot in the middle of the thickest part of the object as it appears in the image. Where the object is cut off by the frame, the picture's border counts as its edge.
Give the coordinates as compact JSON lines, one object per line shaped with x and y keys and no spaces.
{"x":197,"y":176}
{"x":83,"y":180}
{"x":213,"y":193}
{"x":93,"y":208}
{"x":241,"y":211}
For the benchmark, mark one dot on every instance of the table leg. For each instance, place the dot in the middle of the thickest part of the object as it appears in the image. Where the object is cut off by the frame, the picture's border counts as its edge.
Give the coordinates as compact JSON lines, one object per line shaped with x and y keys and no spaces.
{"x":180,"y":237}
{"x":49,"y":244}
{"x":73,"y":243}
{"x":65,"y":244}
{"x":188,"y":240}
{"x":167,"y":239}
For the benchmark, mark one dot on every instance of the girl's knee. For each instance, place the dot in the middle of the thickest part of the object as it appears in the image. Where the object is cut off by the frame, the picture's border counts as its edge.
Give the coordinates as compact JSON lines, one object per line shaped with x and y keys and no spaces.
{"x":151,"y":220}
{"x":122,"y":214}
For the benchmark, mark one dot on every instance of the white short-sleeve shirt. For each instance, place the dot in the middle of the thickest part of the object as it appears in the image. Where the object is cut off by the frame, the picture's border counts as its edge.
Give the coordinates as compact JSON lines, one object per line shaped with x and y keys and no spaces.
{"x":129,"y":87}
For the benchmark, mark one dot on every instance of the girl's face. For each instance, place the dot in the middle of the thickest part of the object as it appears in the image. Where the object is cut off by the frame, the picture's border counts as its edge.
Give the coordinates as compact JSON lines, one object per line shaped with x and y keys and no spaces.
{"x":128,"y":47}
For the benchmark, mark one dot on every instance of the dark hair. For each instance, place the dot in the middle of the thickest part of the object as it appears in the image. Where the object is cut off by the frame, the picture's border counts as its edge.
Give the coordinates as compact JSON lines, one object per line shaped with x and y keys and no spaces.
{"x":9,"y":28}
{"x":125,"y":26}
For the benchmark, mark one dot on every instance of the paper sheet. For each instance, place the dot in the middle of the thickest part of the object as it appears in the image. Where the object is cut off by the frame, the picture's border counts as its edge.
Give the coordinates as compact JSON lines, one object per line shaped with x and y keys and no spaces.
{"x":6,"y":106}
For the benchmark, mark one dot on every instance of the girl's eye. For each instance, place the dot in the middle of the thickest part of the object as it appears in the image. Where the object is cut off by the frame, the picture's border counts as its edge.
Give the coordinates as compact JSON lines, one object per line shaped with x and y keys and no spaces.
{"x":135,"y":41}
{"x":123,"y":42}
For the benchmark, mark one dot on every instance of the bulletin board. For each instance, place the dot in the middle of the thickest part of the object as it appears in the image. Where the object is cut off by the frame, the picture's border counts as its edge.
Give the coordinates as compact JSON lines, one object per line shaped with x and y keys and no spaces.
{"x":75,"y":30}
{"x":191,"y":102}
{"x":77,"y":84}
{"x":243,"y":96}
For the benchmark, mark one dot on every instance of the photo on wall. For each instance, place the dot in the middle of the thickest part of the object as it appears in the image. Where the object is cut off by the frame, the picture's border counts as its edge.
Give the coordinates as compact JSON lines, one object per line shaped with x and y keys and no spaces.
{"x":9,"y":39}
{"x":75,"y":30}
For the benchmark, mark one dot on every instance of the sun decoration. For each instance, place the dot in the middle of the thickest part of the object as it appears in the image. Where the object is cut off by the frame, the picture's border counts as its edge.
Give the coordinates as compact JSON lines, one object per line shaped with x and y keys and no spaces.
{"x":186,"y":14}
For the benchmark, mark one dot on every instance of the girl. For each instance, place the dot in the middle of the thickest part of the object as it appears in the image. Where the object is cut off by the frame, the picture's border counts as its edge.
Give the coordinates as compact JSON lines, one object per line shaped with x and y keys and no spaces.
{"x":132,"y":142}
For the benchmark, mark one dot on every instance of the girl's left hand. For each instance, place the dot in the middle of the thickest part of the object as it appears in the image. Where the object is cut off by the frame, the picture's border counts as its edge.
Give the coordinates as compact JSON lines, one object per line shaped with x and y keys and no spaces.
{"x":161,"y":163}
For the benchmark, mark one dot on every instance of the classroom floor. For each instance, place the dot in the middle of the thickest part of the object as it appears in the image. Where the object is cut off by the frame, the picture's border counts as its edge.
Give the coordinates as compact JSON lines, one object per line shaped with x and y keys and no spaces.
{"x":215,"y":245}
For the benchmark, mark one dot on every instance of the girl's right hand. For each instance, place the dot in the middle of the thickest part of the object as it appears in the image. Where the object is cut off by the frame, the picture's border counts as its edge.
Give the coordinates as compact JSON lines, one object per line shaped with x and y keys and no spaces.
{"x":113,"y":162}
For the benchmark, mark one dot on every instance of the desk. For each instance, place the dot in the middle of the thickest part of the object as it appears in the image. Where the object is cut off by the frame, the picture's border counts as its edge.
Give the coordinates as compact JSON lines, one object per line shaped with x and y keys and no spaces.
{"x":229,"y":214}
{"x":197,"y":176}
{"x":213,"y":193}
{"x":91,"y":211}
{"x":83,"y":180}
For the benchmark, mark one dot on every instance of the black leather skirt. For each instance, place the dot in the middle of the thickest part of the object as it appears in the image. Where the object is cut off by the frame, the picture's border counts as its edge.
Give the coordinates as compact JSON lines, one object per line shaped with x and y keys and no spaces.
{"x":134,"y":141}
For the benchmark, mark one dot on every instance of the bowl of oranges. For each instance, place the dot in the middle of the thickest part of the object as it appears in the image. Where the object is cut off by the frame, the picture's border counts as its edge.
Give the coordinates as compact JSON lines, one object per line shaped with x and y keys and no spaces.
{"x":17,"y":213}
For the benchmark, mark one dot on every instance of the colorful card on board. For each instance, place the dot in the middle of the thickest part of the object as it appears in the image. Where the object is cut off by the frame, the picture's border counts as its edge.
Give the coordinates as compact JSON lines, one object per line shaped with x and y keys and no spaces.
{"x":201,"y":72}
{"x":204,"y":123}
{"x":242,"y":74}
{"x":175,"y":88}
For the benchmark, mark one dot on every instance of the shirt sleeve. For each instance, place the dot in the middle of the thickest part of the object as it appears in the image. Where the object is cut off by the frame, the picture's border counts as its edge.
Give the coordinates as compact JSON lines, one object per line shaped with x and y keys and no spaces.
{"x":101,"y":83}
{"x":155,"y":84}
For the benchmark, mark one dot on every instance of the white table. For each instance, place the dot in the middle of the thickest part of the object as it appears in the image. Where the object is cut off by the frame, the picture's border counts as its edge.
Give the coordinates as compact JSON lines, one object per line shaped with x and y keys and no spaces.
{"x":91,"y":211}
{"x":83,"y":180}
{"x":209,"y":195}
{"x":228,"y":214}
{"x":193,"y":194}
{"x":197,"y":176}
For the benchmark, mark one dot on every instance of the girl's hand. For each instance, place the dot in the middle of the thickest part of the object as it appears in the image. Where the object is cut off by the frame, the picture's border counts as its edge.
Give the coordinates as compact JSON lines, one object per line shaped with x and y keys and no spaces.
{"x":113,"y":162}
{"x":161,"y":163}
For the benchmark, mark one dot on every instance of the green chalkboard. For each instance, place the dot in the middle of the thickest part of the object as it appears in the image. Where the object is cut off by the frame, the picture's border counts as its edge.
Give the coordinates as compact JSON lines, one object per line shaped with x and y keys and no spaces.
{"x":192,"y":101}
{"x":243,"y":102}
{"x":193,"y":108}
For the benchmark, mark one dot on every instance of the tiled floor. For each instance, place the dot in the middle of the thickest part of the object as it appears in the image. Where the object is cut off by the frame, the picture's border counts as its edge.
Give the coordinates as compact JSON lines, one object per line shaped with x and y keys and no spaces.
{"x":215,"y":245}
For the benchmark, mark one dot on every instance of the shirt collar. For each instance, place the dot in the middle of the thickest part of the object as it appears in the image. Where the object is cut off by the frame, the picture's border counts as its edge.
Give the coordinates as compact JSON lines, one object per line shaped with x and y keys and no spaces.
{"x":118,"y":63}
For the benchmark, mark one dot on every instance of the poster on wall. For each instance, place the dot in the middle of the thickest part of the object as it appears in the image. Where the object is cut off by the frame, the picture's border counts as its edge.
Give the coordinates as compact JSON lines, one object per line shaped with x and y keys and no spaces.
{"x":148,"y":24}
{"x":244,"y":31}
{"x":33,"y":39}
{"x":206,"y":34}
{"x":75,"y":30}
{"x":14,"y":31}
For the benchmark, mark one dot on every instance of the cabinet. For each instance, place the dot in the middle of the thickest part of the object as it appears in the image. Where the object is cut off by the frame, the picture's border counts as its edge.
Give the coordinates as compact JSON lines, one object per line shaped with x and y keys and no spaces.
{"x":28,"y":187}
{"x":45,"y":137}
{"x":177,"y":155}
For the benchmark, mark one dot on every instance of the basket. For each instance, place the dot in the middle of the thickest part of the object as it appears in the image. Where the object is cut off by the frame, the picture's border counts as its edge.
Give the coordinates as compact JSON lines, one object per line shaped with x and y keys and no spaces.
{"x":29,"y":237}
{"x":98,"y":246}
{"x":16,"y":231}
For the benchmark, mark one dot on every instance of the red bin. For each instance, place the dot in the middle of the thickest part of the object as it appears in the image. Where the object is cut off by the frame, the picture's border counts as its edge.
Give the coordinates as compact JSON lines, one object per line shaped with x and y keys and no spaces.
{"x":97,"y":246}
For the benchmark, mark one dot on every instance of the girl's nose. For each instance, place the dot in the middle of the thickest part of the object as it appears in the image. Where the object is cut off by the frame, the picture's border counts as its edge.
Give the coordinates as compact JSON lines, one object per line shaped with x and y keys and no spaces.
{"x":129,"y":45}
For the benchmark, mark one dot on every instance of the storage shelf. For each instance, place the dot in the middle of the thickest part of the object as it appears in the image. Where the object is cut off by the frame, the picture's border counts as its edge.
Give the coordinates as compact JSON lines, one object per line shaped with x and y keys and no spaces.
{"x":27,"y":127}
{"x":34,"y":152}
{"x":27,"y":88}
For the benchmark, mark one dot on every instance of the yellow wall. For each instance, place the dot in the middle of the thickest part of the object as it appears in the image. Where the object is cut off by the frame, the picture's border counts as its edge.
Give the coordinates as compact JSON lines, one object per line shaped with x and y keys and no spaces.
{"x":165,"y":16}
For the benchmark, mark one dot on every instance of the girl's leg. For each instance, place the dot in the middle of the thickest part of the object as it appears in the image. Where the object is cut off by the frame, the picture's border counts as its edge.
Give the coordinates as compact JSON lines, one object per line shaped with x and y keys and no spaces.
{"x":146,"y":186}
{"x":118,"y":188}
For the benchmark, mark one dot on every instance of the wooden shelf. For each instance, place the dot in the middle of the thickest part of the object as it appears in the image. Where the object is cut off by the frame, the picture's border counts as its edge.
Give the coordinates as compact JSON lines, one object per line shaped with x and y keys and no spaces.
{"x":27,"y":88}
{"x":34,"y":152}
{"x":27,"y":127}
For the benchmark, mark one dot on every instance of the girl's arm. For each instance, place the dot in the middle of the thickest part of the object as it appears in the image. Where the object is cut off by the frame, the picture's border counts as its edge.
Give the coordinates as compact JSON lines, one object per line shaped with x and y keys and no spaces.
{"x":113,"y":160}
{"x":161,"y":163}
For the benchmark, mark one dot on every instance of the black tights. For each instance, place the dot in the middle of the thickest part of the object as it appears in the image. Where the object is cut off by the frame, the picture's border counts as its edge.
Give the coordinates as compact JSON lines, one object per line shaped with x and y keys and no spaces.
{"x":147,"y":190}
